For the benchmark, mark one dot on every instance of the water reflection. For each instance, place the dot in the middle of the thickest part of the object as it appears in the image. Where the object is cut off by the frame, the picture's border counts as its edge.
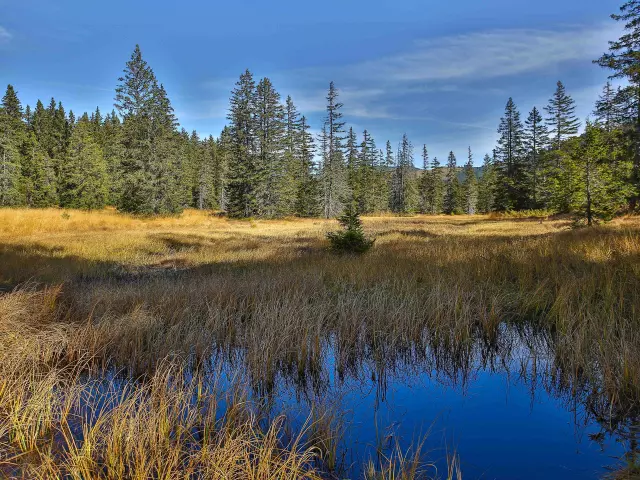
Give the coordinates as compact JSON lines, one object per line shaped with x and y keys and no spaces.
{"x":505,"y":400}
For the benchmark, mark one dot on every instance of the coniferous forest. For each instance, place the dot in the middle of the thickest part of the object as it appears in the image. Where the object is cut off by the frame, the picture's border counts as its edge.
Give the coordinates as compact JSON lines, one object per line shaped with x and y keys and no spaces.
{"x":266,"y":163}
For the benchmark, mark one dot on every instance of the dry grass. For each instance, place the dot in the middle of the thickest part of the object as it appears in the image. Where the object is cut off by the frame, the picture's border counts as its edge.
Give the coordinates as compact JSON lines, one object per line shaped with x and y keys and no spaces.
{"x":267,"y":296}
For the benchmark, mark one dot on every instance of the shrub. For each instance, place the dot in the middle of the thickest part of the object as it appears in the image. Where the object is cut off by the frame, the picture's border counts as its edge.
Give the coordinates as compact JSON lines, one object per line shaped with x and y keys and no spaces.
{"x":352,"y":239}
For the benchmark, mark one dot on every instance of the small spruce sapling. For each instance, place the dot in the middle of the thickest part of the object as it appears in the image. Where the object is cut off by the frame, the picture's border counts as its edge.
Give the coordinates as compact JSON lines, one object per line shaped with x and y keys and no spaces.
{"x":352,"y":238}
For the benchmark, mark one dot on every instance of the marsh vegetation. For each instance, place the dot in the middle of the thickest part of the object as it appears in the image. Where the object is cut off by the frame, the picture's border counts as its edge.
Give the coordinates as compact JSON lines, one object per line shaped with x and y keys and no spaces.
{"x":176,"y":347}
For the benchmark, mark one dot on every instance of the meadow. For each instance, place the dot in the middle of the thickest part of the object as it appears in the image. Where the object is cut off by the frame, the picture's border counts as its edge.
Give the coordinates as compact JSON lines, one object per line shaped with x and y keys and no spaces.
{"x":114,"y":330}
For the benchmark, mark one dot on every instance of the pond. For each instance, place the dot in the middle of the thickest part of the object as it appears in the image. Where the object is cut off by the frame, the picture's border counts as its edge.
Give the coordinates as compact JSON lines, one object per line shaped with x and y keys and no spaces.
{"x":503,"y":408}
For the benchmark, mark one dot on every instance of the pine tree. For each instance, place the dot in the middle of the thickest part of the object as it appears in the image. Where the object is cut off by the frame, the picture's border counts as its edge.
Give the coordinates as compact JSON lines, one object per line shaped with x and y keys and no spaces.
{"x":470,"y":187}
{"x":487,"y":186}
{"x":84,"y":173}
{"x":451,"y":203}
{"x":510,"y":181}
{"x":535,"y":141}
{"x":333,"y":170}
{"x":561,"y":119}
{"x":242,"y":185}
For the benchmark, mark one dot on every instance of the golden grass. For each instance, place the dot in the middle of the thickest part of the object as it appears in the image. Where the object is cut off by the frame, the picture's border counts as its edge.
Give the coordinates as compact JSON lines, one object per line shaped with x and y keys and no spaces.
{"x":127,"y":293}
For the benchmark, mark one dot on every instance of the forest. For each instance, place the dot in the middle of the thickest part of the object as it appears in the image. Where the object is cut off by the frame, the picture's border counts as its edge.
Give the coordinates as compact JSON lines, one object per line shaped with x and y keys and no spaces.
{"x":266,"y":164}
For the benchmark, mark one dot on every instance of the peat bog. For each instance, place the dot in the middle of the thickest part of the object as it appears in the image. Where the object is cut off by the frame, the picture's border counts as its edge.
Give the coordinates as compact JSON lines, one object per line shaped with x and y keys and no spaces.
{"x":201,"y":347}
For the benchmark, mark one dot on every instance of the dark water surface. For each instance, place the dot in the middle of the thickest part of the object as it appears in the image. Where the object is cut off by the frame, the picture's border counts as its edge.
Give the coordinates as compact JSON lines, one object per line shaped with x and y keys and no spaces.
{"x":505,"y":410}
{"x":502,"y":406}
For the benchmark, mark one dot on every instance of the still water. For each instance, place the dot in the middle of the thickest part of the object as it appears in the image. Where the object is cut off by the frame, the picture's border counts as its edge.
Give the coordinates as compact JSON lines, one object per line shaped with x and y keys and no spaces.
{"x":505,"y":411}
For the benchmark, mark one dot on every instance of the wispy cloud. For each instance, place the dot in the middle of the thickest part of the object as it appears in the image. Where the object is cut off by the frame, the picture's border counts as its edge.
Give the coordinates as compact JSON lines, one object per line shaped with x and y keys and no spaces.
{"x":358,"y":102}
{"x":5,"y":35}
{"x":487,"y":54}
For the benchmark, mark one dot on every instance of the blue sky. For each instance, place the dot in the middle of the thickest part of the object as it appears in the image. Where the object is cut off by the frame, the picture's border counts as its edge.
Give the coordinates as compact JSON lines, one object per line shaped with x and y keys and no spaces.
{"x":439,"y":71}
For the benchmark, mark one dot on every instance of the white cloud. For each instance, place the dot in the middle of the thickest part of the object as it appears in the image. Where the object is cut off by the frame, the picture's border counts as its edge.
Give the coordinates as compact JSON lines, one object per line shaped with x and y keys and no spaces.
{"x":5,"y":35}
{"x":488,"y":54}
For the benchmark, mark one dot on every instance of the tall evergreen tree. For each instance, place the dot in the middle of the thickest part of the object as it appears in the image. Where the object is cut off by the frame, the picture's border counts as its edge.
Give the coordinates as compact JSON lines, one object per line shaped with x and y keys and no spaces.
{"x":270,"y":143}
{"x":535,"y":141}
{"x":487,"y":186}
{"x":242,"y":186}
{"x":369,"y":175}
{"x":435,"y":190}
{"x":292,"y":168}
{"x":353,"y":170}
{"x":151,"y":168}
{"x":38,"y":179}
{"x":401,"y":182}
{"x":12,"y":131}
{"x":424,"y":182}
{"x":600,"y":192}
{"x":561,"y":120}
{"x":308,"y":194}
{"x":623,"y":58}
{"x":510,"y":181}
{"x":452,"y":202}
{"x":84,"y":173}
{"x":333,"y":170}
{"x":606,"y":111}
{"x":470,"y":187}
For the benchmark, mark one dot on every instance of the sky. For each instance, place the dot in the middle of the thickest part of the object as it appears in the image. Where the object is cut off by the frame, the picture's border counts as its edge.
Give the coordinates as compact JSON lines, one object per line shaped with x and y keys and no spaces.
{"x":439,"y":71}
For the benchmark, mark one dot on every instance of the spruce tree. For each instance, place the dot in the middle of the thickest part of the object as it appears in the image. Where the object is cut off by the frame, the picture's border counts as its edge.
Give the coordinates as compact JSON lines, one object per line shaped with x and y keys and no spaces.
{"x":353,"y":170}
{"x":487,"y":186}
{"x":435,"y":192}
{"x":401,"y":182}
{"x":308,"y":193}
{"x":151,"y":168}
{"x":510,"y":170}
{"x":270,"y":185}
{"x":606,"y":112}
{"x":561,"y":120}
{"x":113,"y":151}
{"x":292,"y":169}
{"x":333,"y":170}
{"x":451,"y":202}
{"x":368,"y":176}
{"x":243,"y":177}
{"x":224,"y":149}
{"x":535,"y":142}
{"x":600,"y":192}
{"x":623,"y":59}
{"x":84,"y":177}
{"x":424,"y":182}
{"x":470,"y":187}
{"x":12,"y":131}
{"x":38,"y":179}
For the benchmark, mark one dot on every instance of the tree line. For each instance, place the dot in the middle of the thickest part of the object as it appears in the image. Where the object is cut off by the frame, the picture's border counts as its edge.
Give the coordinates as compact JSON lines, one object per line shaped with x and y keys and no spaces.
{"x":266,"y":162}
